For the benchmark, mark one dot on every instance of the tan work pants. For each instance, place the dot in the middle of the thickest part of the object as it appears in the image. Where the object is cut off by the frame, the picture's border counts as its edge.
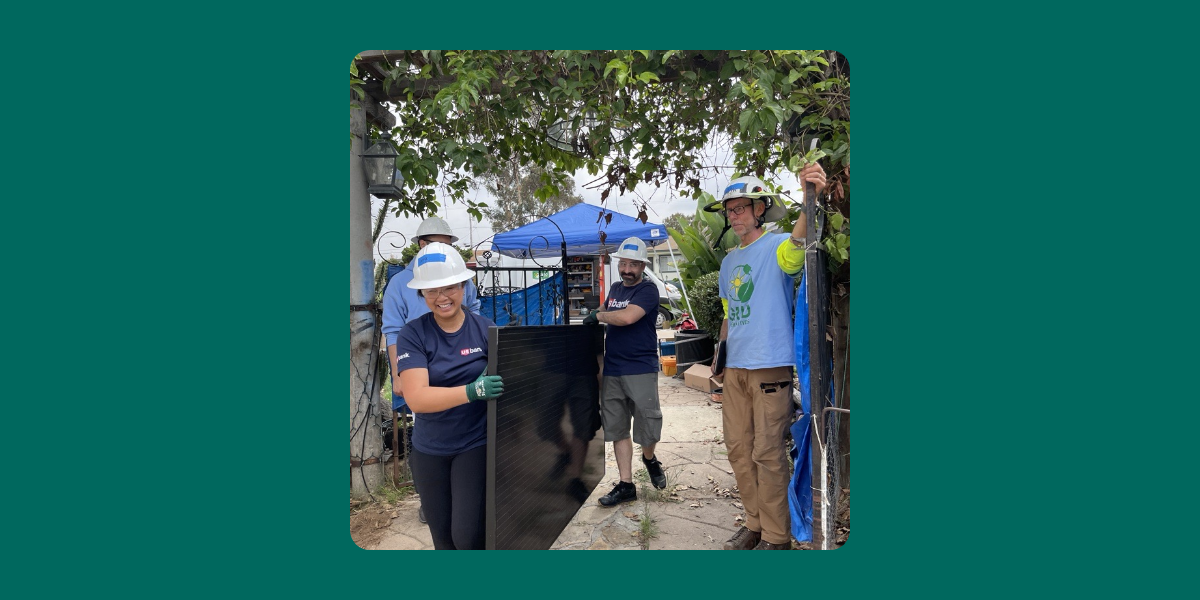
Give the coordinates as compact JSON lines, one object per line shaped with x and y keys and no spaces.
{"x":755,"y":422}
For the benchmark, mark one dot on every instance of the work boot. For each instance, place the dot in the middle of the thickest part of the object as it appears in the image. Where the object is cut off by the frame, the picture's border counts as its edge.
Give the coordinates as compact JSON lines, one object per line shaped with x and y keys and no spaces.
{"x":622,"y":492}
{"x":654,"y":468}
{"x":744,"y":539}
{"x":765,"y":545}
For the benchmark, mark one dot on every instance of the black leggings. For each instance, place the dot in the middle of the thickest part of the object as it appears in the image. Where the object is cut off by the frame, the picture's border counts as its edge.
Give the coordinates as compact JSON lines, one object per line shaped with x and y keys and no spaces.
{"x":452,"y":494}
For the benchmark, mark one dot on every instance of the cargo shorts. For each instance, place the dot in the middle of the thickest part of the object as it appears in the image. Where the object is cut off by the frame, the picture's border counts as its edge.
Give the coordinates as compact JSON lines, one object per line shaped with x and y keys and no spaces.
{"x":626,"y":397}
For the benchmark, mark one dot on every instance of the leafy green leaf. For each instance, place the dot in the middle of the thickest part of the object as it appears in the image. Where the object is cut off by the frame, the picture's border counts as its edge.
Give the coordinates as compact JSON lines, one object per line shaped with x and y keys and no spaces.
{"x":766,"y":120}
{"x":745,"y":119}
{"x":613,"y":64}
{"x":835,"y":220}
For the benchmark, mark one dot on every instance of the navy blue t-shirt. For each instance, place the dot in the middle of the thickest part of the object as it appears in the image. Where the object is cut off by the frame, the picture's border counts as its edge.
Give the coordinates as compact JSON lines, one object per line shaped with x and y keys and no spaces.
{"x":452,"y":359}
{"x":632,"y":349}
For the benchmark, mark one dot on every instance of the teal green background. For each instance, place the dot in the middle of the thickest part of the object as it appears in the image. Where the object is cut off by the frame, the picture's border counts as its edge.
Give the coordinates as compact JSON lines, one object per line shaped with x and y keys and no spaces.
{"x":201,"y":345}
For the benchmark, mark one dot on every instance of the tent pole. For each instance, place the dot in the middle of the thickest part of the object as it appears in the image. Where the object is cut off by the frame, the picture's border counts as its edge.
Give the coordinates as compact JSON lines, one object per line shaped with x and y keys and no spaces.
{"x":682,"y":288}
{"x":562,"y":266}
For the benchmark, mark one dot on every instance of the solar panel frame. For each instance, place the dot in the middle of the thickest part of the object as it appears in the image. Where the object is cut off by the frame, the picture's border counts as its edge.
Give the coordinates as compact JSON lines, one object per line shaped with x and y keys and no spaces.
{"x":543,"y":432}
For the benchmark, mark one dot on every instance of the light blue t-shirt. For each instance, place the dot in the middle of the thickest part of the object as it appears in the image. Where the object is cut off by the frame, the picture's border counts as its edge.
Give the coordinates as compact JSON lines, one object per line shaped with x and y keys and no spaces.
{"x":760,"y":306}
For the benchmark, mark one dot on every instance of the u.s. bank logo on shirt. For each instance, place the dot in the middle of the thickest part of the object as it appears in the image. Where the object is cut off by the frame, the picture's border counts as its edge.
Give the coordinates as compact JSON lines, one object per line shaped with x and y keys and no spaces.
{"x":402,"y":356}
{"x":469,"y":351}
{"x":613,"y":304}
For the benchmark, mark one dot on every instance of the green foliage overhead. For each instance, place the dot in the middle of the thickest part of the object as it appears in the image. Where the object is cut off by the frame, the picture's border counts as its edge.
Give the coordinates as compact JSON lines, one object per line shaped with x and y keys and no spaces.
{"x":464,"y":114}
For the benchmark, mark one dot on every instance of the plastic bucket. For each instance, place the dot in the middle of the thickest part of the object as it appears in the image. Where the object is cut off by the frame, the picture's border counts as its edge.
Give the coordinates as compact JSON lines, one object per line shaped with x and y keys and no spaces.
{"x":668,"y":365}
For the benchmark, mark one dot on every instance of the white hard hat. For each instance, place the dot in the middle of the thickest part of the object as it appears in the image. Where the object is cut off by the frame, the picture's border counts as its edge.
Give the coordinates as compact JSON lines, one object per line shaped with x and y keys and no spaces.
{"x":438,"y":265}
{"x":633,"y":249}
{"x":436,"y":226}
{"x":754,"y":189}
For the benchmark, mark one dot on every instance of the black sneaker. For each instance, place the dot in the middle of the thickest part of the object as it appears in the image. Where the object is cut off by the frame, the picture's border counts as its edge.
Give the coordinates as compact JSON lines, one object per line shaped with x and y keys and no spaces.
{"x":654,"y":468}
{"x":421,"y":514}
{"x":622,"y":492}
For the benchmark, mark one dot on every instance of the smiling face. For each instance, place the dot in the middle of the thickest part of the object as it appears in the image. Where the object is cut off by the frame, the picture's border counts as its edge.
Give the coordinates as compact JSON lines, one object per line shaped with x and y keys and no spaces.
{"x":444,"y":301}
{"x":631,"y":271}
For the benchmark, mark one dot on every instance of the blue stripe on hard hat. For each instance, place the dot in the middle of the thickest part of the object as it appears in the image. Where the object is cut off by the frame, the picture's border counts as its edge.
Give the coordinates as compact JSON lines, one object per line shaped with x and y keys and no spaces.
{"x":734,"y":187}
{"x":431,"y":258}
{"x":630,"y":247}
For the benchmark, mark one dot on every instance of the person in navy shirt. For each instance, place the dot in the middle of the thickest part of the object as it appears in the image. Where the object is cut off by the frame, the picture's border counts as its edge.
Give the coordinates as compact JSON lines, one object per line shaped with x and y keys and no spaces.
{"x":442,"y":361}
{"x":629,"y":387}
{"x":402,"y":304}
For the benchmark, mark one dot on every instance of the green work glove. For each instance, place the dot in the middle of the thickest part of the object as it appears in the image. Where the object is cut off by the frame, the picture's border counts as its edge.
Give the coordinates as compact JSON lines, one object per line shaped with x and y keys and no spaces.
{"x":486,"y":387}
{"x":592,"y":318}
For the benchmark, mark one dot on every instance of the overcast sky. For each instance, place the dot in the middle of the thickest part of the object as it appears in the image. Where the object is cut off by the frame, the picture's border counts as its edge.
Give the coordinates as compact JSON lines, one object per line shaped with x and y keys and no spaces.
{"x":662,"y":202}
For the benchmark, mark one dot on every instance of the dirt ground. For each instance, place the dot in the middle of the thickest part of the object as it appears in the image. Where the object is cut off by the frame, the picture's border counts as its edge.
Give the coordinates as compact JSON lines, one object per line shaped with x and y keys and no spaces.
{"x":369,"y":521}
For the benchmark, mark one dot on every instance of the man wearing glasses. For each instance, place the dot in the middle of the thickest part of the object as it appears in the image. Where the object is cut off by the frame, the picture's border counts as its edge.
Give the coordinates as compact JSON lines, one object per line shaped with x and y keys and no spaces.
{"x":756,"y":340}
{"x":629,"y":388}
{"x":401,"y":305}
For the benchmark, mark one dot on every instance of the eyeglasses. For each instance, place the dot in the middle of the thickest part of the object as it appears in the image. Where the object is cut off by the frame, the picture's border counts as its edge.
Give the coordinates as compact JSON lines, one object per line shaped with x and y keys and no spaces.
{"x":447,"y":292}
{"x":629,"y":264}
{"x":737,"y":210}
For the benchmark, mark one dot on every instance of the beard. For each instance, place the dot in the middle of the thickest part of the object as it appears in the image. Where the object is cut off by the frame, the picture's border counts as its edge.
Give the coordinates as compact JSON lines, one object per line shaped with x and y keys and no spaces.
{"x":629,"y":277}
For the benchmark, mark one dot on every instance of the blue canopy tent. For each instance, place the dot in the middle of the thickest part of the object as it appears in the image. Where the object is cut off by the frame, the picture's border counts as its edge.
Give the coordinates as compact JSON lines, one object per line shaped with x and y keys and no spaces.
{"x":579,"y":227}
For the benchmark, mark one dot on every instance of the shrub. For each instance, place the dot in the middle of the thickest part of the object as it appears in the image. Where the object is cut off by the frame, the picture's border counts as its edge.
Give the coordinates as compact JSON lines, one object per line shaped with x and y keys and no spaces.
{"x":706,"y":302}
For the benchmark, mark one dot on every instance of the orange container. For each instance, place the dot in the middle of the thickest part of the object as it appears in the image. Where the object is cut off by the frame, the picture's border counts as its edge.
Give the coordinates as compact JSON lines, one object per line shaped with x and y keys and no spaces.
{"x":668,"y":365}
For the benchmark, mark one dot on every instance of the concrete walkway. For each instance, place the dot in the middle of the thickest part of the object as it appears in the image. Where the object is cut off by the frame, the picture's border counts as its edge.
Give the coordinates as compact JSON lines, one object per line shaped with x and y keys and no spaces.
{"x":699,"y":509}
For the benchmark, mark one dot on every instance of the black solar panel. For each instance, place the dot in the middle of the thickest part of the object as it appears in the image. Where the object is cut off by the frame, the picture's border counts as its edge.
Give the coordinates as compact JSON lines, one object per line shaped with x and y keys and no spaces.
{"x":545,"y":452}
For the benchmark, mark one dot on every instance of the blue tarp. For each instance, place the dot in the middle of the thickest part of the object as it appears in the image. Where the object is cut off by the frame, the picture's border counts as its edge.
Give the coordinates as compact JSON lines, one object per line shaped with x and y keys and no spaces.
{"x":580,"y":227}
{"x":800,"y":490}
{"x":512,"y":309}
